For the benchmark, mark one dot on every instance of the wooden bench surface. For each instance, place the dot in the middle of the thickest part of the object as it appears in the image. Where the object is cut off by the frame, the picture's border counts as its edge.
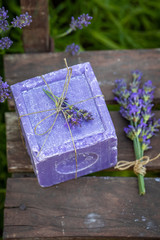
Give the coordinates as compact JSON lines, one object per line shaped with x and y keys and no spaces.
{"x":86,"y":208}
{"x":19,"y":161}
{"x":89,"y":207}
{"x":107,"y":66}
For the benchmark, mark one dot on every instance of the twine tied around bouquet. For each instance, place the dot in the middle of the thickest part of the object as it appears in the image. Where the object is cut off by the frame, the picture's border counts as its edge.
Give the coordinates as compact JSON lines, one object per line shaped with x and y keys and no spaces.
{"x":58,"y":109}
{"x":138,"y":165}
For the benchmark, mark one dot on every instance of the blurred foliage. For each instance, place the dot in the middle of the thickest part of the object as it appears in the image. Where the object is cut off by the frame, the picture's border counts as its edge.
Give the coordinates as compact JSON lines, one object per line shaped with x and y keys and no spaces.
{"x":115,"y":25}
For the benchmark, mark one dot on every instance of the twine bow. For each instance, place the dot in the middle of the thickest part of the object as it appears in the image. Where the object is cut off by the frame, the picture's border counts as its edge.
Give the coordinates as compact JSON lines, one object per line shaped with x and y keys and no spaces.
{"x":138,"y":165}
{"x":58,"y":102}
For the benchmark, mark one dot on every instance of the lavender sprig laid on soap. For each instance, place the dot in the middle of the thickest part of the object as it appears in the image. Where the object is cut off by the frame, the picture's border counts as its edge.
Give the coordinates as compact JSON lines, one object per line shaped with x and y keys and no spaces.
{"x":74,"y":115}
{"x":136,"y":106}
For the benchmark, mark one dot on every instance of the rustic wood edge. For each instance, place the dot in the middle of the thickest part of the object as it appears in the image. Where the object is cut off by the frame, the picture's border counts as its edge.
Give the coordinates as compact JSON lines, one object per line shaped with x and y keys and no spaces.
{"x":118,"y":211}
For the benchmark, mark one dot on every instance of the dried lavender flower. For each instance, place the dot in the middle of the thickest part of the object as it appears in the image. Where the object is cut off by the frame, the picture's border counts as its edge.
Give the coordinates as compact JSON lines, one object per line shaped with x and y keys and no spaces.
{"x":73,"y":49}
{"x":74,"y":115}
{"x":5,"y":43}
{"x":3,"y":22}
{"x":22,"y":21}
{"x":4,"y":91}
{"x":80,"y":22}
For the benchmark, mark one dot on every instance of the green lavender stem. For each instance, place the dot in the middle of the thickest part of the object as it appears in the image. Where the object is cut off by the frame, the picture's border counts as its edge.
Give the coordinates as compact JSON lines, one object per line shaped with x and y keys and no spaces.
{"x":49,"y":95}
{"x":65,"y":33}
{"x":139,"y":154}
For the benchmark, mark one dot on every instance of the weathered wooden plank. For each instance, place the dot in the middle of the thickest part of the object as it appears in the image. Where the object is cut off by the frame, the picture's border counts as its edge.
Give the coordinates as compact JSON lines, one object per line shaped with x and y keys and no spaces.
{"x":36,"y":36}
{"x":60,"y":212}
{"x":18,"y":159}
{"x":107,"y":65}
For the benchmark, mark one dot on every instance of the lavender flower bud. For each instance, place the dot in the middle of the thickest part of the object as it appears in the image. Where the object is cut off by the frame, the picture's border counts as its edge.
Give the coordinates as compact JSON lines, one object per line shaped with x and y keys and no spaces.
{"x":130,"y":132}
{"x":73,"y":49}
{"x":145,"y":143}
{"x":148,"y":87}
{"x":83,"y":20}
{"x":5,"y":42}
{"x":4,"y":91}
{"x":3,"y":22}
{"x":22,"y":21}
{"x":137,"y":75}
{"x":74,"y":115}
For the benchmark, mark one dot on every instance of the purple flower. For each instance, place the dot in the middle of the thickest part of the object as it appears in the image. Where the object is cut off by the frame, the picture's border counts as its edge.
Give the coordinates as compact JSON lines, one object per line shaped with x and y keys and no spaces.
{"x":3,"y":17}
{"x":133,"y":109}
{"x":137,"y":75}
{"x":121,"y":86}
{"x":125,"y":113}
{"x":4,"y":91}
{"x":73,"y":49}
{"x":145,"y":143}
{"x":74,"y":115}
{"x":134,"y":85}
{"x":22,"y":21}
{"x":73,"y":24}
{"x":131,"y":132}
{"x":83,"y":20}
{"x":5,"y":42}
{"x":146,"y":112}
{"x":121,"y":92}
{"x":148,"y":87}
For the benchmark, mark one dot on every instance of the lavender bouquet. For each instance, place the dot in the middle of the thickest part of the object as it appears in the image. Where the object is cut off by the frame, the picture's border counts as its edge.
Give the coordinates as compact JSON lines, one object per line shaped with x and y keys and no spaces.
{"x":136,"y":105}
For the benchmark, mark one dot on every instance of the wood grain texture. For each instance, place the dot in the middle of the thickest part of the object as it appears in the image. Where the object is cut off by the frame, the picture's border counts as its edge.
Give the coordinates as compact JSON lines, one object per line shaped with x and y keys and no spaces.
{"x":107,"y":65}
{"x":19,"y":161}
{"x":72,"y":210}
{"x":36,"y":36}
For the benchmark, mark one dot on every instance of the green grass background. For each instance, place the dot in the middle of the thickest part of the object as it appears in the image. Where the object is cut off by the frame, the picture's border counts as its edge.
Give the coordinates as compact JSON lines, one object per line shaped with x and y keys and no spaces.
{"x":116,"y":24}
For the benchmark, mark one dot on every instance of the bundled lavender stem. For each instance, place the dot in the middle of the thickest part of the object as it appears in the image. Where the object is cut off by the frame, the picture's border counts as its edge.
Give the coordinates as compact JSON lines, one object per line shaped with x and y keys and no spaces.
{"x":136,"y":106}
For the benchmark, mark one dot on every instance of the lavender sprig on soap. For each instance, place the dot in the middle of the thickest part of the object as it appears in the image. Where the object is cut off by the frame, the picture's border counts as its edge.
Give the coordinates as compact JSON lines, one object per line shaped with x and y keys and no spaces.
{"x":74,"y":115}
{"x":136,"y":106}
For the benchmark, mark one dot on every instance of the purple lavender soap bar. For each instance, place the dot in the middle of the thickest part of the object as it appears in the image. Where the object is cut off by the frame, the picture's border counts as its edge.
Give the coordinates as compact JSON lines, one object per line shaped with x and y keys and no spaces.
{"x":53,"y":158}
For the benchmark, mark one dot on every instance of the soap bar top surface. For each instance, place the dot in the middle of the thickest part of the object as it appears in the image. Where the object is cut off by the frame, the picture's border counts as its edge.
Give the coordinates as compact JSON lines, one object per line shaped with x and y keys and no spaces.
{"x":31,"y":99}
